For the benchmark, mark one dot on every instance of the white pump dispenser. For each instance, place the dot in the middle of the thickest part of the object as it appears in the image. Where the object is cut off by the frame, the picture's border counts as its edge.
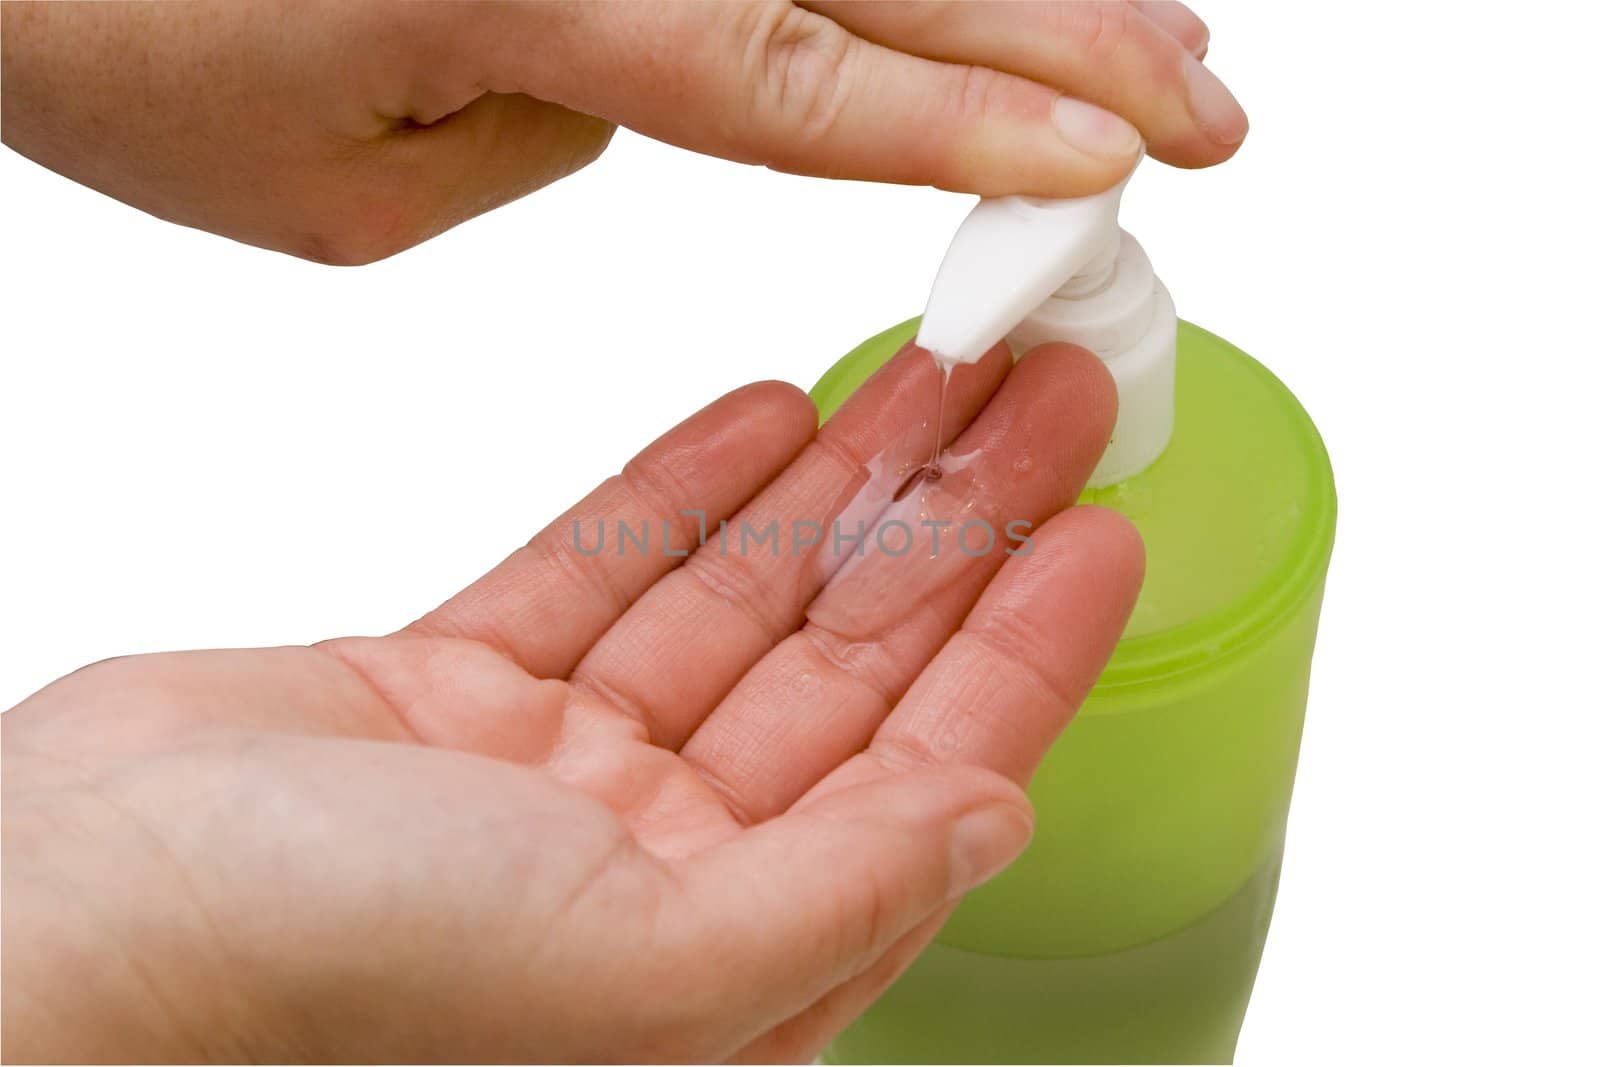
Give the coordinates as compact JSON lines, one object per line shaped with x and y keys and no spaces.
{"x":1034,"y":271}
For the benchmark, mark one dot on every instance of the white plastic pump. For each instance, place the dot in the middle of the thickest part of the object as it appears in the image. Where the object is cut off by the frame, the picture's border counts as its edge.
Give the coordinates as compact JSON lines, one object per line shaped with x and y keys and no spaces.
{"x":1033,"y":271}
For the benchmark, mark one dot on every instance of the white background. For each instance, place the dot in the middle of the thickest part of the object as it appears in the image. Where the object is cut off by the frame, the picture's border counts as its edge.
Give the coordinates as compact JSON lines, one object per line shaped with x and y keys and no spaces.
{"x":205,"y":444}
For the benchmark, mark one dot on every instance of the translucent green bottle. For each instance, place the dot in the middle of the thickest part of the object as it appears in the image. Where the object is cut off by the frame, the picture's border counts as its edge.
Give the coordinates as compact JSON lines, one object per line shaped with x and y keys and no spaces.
{"x":1131,"y":929}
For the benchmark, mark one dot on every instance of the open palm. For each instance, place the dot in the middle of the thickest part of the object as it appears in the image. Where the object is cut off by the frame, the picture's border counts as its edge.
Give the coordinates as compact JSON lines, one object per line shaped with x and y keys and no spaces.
{"x":628,"y":805}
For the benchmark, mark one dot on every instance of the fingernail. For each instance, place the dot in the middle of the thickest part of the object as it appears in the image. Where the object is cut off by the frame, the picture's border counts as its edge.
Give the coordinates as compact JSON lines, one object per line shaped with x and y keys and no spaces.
{"x":1094,"y":130}
{"x":1211,"y":105}
{"x":984,"y":842}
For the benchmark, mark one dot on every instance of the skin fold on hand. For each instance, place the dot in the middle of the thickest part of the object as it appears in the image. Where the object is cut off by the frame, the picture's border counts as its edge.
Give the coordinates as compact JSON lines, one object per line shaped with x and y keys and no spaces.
{"x":614,"y":807}
{"x":346,"y":130}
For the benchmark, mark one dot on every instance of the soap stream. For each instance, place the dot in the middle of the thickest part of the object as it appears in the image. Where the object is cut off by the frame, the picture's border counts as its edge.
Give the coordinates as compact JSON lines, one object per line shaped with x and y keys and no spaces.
{"x":932,"y":470}
{"x":945,"y":367}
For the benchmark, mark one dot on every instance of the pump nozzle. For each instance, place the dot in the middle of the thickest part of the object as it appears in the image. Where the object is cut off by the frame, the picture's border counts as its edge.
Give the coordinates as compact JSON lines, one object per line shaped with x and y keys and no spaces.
{"x":1037,"y":271}
{"x":1007,"y":258}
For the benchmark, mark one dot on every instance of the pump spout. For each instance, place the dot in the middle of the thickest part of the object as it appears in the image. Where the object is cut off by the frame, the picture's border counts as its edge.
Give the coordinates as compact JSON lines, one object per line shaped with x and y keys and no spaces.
{"x":1009,"y":256}
{"x":1039,"y":271}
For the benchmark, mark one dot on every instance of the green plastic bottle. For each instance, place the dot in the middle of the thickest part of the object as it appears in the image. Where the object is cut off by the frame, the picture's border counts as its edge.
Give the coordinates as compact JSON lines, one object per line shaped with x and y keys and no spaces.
{"x":1131,"y":929}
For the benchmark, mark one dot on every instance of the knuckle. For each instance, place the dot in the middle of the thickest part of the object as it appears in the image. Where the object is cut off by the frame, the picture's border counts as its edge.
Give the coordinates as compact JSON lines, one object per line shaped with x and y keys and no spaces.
{"x":898,"y":752}
{"x":844,"y":455}
{"x":979,"y":91}
{"x":800,"y":63}
{"x":658,"y":488}
{"x":340,"y":249}
{"x":365,"y":234}
{"x":867,"y":665}
{"x":570,"y":558}
{"x":357,"y":208}
{"x":996,"y":647}
{"x":731,"y":577}
{"x":1102,"y":29}
{"x":870,"y":915}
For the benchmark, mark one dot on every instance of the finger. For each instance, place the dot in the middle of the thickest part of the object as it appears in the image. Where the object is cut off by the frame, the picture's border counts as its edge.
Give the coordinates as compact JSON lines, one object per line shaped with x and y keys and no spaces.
{"x":1002,"y":689}
{"x":1106,"y":52}
{"x":773,"y":84}
{"x":683,"y":646}
{"x":797,"y":907}
{"x":1179,"y":23}
{"x":821,"y":694}
{"x":545,"y":605}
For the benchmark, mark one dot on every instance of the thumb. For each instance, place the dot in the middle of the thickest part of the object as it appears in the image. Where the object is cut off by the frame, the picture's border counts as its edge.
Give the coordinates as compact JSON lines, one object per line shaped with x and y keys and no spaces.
{"x":788,"y":911}
{"x":774,"y":84}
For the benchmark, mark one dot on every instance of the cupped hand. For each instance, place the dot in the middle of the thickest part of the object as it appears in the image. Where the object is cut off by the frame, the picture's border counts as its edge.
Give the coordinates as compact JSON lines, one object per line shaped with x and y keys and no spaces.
{"x":346,"y":131}
{"x":624,"y":805}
